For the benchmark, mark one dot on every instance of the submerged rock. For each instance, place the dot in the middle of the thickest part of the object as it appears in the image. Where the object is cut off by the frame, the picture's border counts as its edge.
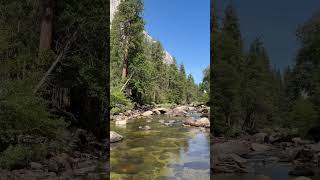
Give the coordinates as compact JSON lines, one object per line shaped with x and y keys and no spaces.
{"x":145,"y":127}
{"x":121,"y":122}
{"x":115,"y":137}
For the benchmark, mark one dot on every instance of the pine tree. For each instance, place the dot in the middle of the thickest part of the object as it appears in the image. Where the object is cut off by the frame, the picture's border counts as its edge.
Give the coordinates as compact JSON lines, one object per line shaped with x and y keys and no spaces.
{"x":127,"y":37}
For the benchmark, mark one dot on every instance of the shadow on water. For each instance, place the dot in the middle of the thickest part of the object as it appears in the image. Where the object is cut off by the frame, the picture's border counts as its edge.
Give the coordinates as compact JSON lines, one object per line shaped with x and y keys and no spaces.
{"x":164,"y":152}
{"x":276,"y":171}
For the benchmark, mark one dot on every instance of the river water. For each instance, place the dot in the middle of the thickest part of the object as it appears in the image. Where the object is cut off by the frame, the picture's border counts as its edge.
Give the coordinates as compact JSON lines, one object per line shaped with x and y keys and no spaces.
{"x":264,"y":164}
{"x":164,"y":152}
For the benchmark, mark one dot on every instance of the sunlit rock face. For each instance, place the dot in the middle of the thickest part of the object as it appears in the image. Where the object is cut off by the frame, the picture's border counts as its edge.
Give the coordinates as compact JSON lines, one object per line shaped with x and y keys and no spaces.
{"x":113,"y":8}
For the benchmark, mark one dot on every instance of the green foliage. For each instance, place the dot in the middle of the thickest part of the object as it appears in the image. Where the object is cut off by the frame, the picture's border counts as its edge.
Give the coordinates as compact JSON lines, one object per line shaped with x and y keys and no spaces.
{"x":82,"y":73}
{"x":303,"y":116}
{"x":22,"y":114}
{"x":118,"y":101}
{"x":19,"y":156}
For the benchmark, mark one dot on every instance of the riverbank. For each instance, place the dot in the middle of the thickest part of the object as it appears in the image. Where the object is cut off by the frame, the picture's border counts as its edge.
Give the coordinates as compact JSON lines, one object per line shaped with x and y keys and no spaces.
{"x":148,"y":111}
{"x":272,"y":155}
{"x":84,"y":158}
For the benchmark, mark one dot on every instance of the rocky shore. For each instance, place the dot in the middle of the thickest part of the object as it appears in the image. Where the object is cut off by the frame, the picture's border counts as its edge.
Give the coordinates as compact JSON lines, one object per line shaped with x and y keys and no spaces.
{"x":186,"y":111}
{"x":244,"y":154}
{"x":84,"y":160}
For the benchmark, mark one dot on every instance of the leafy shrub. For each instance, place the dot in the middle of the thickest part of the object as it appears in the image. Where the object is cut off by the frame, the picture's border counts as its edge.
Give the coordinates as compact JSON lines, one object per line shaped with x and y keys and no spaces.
{"x":118,"y":101}
{"x":303,"y":116}
{"x":19,"y":156}
{"x":23,"y":114}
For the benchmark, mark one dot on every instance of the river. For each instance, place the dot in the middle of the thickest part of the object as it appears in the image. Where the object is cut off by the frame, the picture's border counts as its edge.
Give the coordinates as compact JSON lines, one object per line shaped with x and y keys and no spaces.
{"x":164,"y":152}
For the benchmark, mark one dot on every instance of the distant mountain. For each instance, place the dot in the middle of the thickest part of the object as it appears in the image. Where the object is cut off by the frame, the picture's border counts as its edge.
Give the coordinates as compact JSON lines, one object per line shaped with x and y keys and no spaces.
{"x":113,"y":8}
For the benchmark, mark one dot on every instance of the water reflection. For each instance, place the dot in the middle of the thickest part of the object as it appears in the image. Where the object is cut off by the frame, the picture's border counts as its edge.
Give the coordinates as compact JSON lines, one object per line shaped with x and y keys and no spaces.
{"x":163,"y":152}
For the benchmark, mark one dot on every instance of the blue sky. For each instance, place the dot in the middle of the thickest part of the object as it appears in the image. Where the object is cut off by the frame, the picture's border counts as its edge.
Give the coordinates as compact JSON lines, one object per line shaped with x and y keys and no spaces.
{"x":275,"y":21}
{"x":183,"y":28}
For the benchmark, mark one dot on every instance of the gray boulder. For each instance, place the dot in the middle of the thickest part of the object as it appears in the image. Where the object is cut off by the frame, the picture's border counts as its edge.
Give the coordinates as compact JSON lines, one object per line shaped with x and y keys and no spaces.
{"x":115,"y":137}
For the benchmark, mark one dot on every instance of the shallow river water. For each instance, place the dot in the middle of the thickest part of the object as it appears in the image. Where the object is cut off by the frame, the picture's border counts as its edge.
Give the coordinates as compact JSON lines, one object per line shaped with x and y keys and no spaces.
{"x":164,"y":152}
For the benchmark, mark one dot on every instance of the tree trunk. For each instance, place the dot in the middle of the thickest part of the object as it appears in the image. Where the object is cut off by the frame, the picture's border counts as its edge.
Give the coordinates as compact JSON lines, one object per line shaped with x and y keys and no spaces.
{"x":125,"y":64}
{"x":46,"y":30}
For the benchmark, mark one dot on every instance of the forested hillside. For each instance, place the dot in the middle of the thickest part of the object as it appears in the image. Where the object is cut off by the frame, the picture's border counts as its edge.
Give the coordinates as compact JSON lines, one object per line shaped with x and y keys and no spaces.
{"x":139,"y":74}
{"x":250,"y":94}
{"x":53,"y":76}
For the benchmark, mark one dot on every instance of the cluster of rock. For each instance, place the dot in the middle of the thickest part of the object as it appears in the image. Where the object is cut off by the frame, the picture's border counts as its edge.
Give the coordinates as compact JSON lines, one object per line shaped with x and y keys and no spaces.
{"x":181,"y":111}
{"x":231,"y":156}
{"x":122,"y":119}
{"x":202,"y":122}
{"x":82,"y":161}
{"x":62,"y":166}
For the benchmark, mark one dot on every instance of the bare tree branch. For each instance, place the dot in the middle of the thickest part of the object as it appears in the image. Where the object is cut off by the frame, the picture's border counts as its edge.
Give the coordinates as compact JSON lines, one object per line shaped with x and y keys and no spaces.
{"x":60,"y":56}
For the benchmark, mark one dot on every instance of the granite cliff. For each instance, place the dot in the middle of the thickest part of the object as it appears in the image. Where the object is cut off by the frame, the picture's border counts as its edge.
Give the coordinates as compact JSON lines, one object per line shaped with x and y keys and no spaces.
{"x":113,"y":8}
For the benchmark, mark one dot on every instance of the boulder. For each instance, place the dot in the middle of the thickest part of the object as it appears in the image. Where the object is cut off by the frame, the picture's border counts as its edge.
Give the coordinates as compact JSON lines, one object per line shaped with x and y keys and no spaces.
{"x":119,"y":117}
{"x":231,"y":147}
{"x":203,"y":110}
{"x":202,"y":122}
{"x":260,"y":138}
{"x":259,"y":147}
{"x":296,"y":141}
{"x":303,"y":155}
{"x":36,"y":166}
{"x":229,"y":163}
{"x":315,"y":147}
{"x":285,"y":145}
{"x":147,"y":113}
{"x":63,"y":161}
{"x":181,"y":108}
{"x":115,"y":137}
{"x":156,"y":112}
{"x":53,"y":165}
{"x":161,"y":110}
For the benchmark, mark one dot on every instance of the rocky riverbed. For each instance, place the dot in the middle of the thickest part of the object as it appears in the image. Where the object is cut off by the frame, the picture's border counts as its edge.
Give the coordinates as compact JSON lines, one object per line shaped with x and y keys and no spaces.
{"x":272,"y":157}
{"x":86,"y":161}
{"x":161,"y":143}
